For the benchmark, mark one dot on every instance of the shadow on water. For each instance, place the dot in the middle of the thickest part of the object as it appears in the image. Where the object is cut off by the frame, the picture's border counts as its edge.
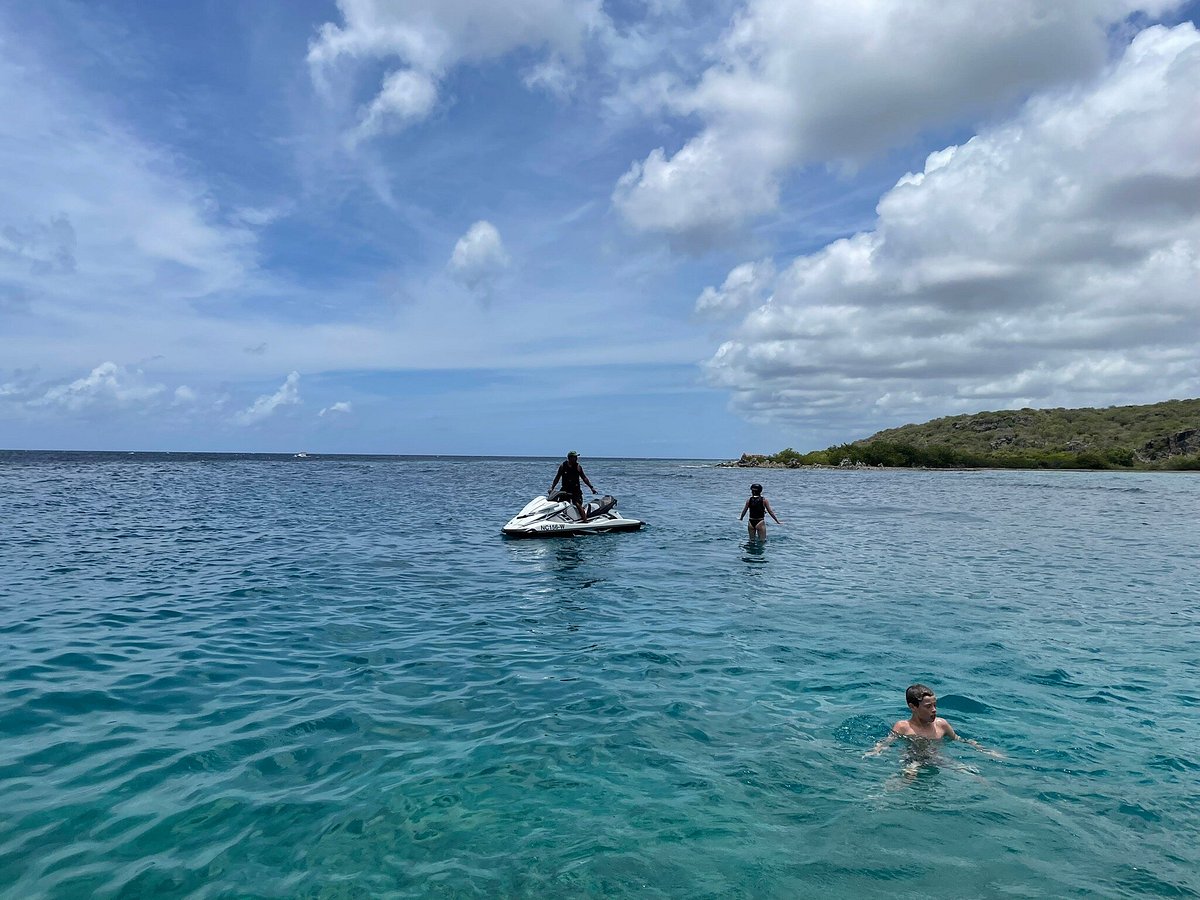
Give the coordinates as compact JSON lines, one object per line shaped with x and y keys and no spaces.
{"x":959,"y":703}
{"x":568,"y":556}
{"x":754,"y":551}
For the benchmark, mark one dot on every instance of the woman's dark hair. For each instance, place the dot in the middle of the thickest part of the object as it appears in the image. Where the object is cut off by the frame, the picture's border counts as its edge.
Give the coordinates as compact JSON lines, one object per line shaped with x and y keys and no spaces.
{"x":756,"y":488}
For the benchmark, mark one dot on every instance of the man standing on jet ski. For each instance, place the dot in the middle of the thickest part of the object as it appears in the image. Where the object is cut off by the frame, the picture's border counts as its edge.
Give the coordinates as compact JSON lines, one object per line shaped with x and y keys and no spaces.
{"x":570,"y":472}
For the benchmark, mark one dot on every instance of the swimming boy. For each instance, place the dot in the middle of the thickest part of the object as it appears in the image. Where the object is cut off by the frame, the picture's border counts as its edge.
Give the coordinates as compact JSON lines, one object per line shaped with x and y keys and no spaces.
{"x":924,"y":726}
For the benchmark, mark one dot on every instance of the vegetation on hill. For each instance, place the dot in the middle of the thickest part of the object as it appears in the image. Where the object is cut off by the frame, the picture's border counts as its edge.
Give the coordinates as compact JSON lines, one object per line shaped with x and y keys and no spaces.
{"x":1159,"y":436}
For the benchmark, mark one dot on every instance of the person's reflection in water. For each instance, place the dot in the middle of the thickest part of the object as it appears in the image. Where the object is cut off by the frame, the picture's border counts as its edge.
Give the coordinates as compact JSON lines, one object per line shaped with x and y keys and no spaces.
{"x":567,"y":554}
{"x":754,"y":552}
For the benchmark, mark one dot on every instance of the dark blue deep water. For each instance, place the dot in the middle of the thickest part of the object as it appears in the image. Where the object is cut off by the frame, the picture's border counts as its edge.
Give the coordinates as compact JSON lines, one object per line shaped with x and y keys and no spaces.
{"x":267,"y":677}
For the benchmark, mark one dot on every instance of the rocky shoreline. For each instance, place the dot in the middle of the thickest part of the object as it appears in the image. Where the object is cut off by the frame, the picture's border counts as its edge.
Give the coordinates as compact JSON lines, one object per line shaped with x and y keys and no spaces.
{"x":761,"y":461}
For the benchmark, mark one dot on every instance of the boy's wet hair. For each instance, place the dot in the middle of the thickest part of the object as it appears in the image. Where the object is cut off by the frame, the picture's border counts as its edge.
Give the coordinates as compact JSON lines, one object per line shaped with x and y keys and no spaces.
{"x":756,"y":488}
{"x":916,"y":693}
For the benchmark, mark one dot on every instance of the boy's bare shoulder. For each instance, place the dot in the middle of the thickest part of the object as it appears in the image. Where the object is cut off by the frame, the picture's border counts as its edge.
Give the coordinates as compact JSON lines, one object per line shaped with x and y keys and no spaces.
{"x":945,"y":729}
{"x":902,"y":727}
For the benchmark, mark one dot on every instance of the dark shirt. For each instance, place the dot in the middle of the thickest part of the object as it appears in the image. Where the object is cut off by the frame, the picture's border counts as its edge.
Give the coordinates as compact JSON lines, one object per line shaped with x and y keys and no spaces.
{"x":756,"y":509}
{"x":570,"y":476}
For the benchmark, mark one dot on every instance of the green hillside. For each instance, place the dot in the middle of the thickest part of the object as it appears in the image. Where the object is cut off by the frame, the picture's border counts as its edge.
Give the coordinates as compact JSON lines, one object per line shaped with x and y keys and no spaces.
{"x":1159,"y":436}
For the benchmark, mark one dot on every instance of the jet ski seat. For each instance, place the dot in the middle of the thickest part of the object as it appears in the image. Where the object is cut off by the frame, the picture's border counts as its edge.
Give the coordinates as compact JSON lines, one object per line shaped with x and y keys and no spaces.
{"x":601,"y":506}
{"x":593,"y":507}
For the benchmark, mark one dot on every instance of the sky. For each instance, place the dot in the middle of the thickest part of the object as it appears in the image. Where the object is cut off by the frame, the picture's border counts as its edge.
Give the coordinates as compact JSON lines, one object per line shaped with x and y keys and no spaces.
{"x":655,"y":228}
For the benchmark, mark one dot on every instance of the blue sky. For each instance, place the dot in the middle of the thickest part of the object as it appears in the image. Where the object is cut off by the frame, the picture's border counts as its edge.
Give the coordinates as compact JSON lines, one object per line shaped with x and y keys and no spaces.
{"x":639,"y":228}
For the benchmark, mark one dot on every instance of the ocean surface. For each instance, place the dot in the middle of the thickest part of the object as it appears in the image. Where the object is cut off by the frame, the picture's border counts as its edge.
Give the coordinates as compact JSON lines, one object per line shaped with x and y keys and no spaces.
{"x":258,"y":676}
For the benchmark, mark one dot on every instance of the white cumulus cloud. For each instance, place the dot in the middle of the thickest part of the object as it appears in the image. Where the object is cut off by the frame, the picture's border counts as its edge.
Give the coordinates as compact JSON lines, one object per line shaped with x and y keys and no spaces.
{"x":479,"y":256}
{"x":406,"y":96}
{"x":339,"y":408}
{"x":428,"y":39}
{"x":1053,"y":260}
{"x":266,"y":405}
{"x":746,"y":285}
{"x":798,"y":82}
{"x":108,"y":385}
{"x":184,"y":395}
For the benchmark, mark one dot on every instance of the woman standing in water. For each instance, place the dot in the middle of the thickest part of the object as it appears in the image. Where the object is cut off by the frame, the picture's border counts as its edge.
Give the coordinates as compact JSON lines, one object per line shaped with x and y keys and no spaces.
{"x":758,"y":506}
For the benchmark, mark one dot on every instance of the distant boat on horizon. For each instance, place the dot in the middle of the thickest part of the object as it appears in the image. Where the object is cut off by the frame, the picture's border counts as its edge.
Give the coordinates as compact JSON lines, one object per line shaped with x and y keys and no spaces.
{"x":301,"y":455}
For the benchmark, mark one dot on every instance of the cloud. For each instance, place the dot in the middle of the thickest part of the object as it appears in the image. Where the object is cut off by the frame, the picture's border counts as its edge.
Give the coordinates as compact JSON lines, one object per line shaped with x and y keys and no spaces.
{"x":1052,"y":260}
{"x":46,"y":248}
{"x":266,"y":405}
{"x":798,"y":82}
{"x":479,"y":256}
{"x":406,"y":96}
{"x":107,"y":385}
{"x":428,"y":40}
{"x":98,"y":227}
{"x":746,"y":285}
{"x":339,"y":408}
{"x":260,"y":216}
{"x":552,"y":76}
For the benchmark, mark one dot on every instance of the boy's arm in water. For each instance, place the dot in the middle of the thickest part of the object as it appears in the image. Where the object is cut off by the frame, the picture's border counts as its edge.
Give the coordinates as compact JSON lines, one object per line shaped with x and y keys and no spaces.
{"x":951,"y":735}
{"x":883,"y":744}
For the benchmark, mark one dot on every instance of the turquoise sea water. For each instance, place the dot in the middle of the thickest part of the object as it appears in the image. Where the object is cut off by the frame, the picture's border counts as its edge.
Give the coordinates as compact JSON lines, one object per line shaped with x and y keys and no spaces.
{"x":267,"y":677}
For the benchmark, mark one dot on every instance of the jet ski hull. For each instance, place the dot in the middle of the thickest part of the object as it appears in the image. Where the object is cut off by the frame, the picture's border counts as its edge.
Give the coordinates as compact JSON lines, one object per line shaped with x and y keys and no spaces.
{"x":542,"y":518}
{"x":550,"y":529}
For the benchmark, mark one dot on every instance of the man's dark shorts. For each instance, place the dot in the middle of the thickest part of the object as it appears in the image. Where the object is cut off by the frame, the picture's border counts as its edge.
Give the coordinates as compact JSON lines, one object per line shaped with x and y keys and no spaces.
{"x":577,"y":497}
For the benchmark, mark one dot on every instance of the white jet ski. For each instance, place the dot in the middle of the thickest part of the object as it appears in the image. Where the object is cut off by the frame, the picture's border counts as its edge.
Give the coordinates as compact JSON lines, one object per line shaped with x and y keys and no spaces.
{"x":556,"y":516}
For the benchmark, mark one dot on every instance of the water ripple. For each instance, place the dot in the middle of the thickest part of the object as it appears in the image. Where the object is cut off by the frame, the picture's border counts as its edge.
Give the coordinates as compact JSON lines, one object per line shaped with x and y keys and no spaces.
{"x":244,"y":672}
